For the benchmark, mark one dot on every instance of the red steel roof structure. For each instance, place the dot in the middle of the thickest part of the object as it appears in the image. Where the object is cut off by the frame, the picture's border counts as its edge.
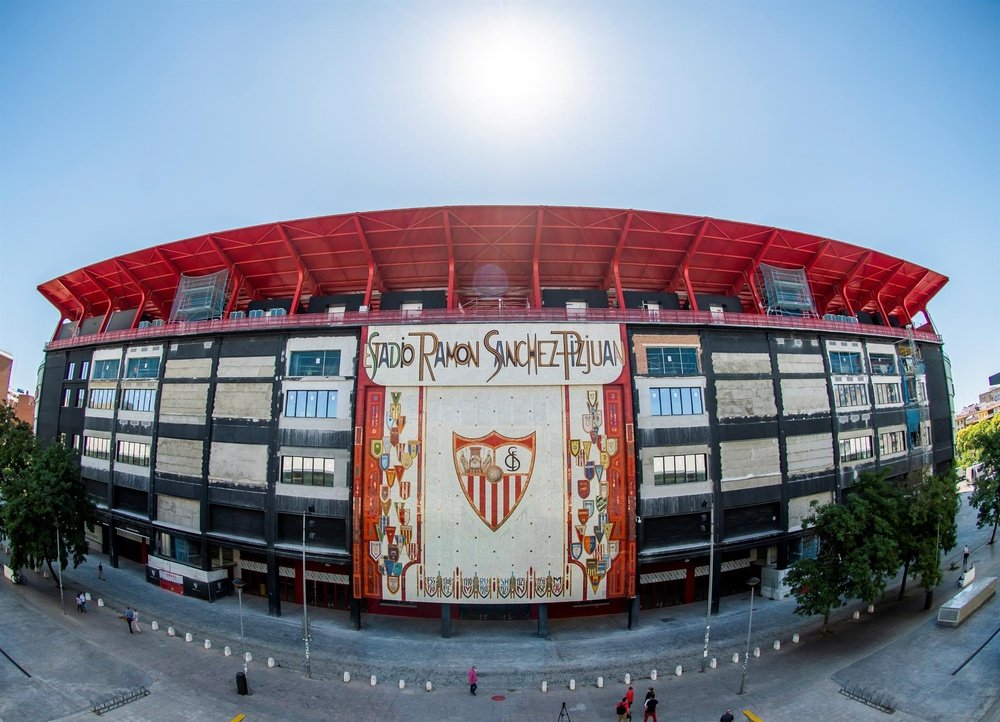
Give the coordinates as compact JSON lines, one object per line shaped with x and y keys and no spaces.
{"x":512,"y":251}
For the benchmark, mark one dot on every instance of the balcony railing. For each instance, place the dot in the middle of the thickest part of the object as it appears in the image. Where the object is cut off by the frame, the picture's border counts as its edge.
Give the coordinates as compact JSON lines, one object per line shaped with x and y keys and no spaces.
{"x":493,"y":315}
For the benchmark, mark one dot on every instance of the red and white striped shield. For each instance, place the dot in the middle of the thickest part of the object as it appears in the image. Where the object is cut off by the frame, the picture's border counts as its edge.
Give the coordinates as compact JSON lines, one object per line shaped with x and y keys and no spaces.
{"x":494,"y":472}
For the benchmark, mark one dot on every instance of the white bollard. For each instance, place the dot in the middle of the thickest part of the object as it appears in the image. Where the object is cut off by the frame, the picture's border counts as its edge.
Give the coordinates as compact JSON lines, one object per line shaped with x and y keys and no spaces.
{"x":600,"y":683}
{"x":373,"y":681}
{"x":713,"y":663}
{"x":736,"y":657}
{"x":545,"y":686}
{"x":87,"y":596}
{"x":171,"y":632}
{"x":679,"y":671}
{"x":402,"y":684}
{"x":777,"y":644}
{"x":572,"y":684}
{"x":857,"y":614}
{"x":428,"y":686}
{"x":188,"y":637}
{"x":795,"y":638}
{"x":652,"y":675}
{"x":248,"y":657}
{"x":100,"y":602}
{"x":756,"y":651}
{"x":628,"y":678}
{"x":154,"y":625}
{"x":208,"y":644}
{"x":270,"y":661}
{"x":347,"y":676}
{"x":871,"y":609}
{"x":227,"y":651}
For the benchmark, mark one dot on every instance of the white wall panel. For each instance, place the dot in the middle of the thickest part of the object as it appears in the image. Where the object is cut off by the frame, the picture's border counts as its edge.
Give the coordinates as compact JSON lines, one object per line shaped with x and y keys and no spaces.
{"x":804,"y":396}
{"x":238,"y":463}
{"x":745,"y":398}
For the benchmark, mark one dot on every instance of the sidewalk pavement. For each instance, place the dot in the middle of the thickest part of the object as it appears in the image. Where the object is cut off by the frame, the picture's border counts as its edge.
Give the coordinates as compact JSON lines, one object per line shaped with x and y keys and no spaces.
{"x":898,"y":653}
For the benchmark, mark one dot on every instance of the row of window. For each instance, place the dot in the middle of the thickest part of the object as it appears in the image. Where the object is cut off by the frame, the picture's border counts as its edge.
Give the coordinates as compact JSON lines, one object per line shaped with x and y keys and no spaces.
{"x":887,"y":393}
{"x":132,"y":452}
{"x":319,"y":404}
{"x":307,"y":470}
{"x":71,"y":371}
{"x":680,"y":469}
{"x":301,"y":363}
{"x":892,"y":442}
{"x":856,"y":449}
{"x":676,"y":401}
{"x":851,"y":394}
{"x":850,"y":362}
{"x":672,"y":361}
{"x":311,"y":404}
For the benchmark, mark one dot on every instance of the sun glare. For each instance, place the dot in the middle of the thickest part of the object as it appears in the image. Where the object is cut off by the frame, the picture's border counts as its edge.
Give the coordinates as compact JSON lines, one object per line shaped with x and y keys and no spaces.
{"x":511,"y":72}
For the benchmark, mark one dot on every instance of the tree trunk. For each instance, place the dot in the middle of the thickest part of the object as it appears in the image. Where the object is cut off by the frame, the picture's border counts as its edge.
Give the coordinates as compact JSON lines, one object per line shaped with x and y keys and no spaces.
{"x":928,"y":598}
{"x":995,"y":522}
{"x":55,"y":576}
{"x":902,"y":587}
{"x":826,"y":618}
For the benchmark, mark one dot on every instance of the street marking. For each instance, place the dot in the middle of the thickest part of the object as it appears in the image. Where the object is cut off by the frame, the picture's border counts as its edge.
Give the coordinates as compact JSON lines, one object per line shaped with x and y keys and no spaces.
{"x":238,"y":718}
{"x":751,"y":716}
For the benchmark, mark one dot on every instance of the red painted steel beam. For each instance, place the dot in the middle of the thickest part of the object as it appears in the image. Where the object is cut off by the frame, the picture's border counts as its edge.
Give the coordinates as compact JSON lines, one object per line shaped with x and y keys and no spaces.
{"x":63,"y":316}
{"x":239,"y":277}
{"x":104,"y":292}
{"x":452,"y":301}
{"x":750,"y":271}
{"x":820,"y":253}
{"x":147,"y":294}
{"x":842,"y":285}
{"x":303,"y":270}
{"x":614,"y":271}
{"x":372,"y":266}
{"x":683,"y":271}
{"x":536,"y":281}
{"x":905,"y":300}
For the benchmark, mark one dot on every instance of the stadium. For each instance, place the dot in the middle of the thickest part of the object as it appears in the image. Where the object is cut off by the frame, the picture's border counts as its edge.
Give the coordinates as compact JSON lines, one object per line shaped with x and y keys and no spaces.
{"x":488,"y":412}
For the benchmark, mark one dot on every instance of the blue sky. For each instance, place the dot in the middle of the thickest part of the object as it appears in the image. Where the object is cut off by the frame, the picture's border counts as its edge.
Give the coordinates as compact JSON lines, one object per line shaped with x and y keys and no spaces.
{"x":125,"y":125}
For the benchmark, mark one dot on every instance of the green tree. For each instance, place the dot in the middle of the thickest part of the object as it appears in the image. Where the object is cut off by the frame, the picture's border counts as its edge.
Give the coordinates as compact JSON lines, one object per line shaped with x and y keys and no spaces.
{"x":858,"y":551}
{"x":979,"y":448}
{"x":44,"y":499}
{"x":927,"y":525}
{"x":16,"y":443}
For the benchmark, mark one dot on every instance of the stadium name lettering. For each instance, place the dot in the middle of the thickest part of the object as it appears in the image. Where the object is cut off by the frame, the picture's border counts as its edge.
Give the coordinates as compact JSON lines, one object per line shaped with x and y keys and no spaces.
{"x":566,"y":350}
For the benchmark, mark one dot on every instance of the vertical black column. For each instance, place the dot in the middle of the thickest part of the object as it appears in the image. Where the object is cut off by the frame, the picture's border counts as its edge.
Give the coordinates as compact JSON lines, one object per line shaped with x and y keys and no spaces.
{"x":206,"y":451}
{"x":782,"y":432}
{"x":543,"y":621}
{"x":270,"y":499}
{"x":834,"y":425}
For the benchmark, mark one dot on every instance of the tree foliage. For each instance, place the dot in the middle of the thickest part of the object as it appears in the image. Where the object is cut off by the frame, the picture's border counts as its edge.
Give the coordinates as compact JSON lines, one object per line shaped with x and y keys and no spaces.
{"x":43,"y":495}
{"x":979,"y":448}
{"x":927,"y":526}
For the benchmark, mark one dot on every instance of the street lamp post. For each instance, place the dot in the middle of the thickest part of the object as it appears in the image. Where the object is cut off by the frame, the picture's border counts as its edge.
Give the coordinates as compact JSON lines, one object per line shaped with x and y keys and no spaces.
{"x":305,"y":597}
{"x":711,"y":570}
{"x":62,"y":598}
{"x":239,"y":584}
{"x":751,"y":582}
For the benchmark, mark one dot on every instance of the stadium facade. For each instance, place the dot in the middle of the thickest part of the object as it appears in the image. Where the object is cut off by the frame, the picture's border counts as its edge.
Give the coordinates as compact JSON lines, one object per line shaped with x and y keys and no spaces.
{"x":488,"y":412}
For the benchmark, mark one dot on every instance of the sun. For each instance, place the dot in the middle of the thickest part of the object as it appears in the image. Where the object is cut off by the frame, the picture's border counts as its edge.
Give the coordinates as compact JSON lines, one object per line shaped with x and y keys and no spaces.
{"x":512,"y":71}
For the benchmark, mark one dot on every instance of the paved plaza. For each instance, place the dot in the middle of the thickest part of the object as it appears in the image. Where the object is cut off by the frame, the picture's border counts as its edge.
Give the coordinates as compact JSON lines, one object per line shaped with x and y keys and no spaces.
{"x":58,"y":666}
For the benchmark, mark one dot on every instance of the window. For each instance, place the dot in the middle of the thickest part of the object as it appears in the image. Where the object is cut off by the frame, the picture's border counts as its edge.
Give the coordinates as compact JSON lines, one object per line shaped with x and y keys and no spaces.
{"x":106,"y":370}
{"x":67,"y":397}
{"x":307,"y":470}
{"x":96,"y":447}
{"x":916,"y":391}
{"x":138,"y":399}
{"x":893,"y":442}
{"x":314,"y":363}
{"x":76,"y":442}
{"x":311,"y":404}
{"x":676,"y":402}
{"x":412,"y":306}
{"x":70,"y":369}
{"x":101,"y":399}
{"x":143,"y":367}
{"x":672,"y":361}
{"x":81,"y":398}
{"x":84,"y":370}
{"x":679,"y":469}
{"x":883,"y":364}
{"x":851,"y":394}
{"x":887,"y":394}
{"x":132,"y":452}
{"x":855,"y":449}
{"x":842,"y":362}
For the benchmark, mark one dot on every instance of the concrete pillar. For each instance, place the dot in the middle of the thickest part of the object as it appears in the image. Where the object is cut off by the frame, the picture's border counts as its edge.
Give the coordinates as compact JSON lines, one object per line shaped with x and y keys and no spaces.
{"x":446,"y":621}
{"x":543,"y":620}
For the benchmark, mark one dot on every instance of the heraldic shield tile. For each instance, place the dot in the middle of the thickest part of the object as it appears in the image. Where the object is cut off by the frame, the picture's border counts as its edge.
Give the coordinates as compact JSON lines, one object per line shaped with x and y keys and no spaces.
{"x":494,"y":472}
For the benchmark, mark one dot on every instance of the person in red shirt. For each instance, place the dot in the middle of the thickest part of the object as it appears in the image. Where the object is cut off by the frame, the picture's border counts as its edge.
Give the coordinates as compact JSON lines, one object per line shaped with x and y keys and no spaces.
{"x":629,"y":699}
{"x":473,"y":679}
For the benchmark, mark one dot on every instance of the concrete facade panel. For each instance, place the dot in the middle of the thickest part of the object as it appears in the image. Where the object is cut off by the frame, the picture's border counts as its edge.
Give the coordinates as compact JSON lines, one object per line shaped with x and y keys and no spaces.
{"x":804,"y":396}
{"x":809,"y":453}
{"x":800,"y":363}
{"x":194,"y":368}
{"x":246,"y":367}
{"x":179,"y":456}
{"x":741,"y":363}
{"x":178,"y":511}
{"x":183,"y":403}
{"x":243,"y":401}
{"x":800,"y":507}
{"x":755,"y":459}
{"x":238,"y":463}
{"x":745,"y":398}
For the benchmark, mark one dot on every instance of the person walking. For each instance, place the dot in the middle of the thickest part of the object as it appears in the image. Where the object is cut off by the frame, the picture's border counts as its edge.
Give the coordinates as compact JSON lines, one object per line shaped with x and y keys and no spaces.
{"x":129,"y":616}
{"x":135,"y":622}
{"x":79,"y":602}
{"x":629,"y":699}
{"x":649,"y":710}
{"x":100,"y":571}
{"x":473,"y":679}
{"x":727,"y":716}
{"x":965,"y":557}
{"x":621,"y":709}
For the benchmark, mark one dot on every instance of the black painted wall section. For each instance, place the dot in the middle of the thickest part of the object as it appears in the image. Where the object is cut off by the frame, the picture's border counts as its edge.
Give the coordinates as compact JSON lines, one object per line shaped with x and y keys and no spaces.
{"x":559,"y":297}
{"x":350,"y":301}
{"x":667,"y":301}
{"x":394,"y":300}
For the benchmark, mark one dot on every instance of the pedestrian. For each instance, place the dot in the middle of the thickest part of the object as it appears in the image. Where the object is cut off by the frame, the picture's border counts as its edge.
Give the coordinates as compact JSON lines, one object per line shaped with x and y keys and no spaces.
{"x":727,"y":717}
{"x":965,"y":557}
{"x":135,"y":622}
{"x":621,"y":709}
{"x":129,"y":616}
{"x":83,"y":602}
{"x":100,"y":571}
{"x":79,"y":602}
{"x":629,"y":699}
{"x":649,"y":712}
{"x":473,"y":679}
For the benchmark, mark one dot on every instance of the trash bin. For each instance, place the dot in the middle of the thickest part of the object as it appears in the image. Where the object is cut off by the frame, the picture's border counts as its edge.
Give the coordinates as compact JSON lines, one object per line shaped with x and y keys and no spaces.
{"x":241,"y":683}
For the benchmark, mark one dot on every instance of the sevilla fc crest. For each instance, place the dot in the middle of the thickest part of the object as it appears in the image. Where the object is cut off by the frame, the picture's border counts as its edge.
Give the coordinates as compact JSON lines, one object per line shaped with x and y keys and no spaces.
{"x":494,"y":472}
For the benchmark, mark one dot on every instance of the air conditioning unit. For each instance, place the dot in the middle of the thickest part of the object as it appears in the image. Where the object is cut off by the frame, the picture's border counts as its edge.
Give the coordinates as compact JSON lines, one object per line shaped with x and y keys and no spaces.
{"x":276,"y":312}
{"x":144,"y":324}
{"x":256,"y":313}
{"x":158,"y":322}
{"x":238,"y":314}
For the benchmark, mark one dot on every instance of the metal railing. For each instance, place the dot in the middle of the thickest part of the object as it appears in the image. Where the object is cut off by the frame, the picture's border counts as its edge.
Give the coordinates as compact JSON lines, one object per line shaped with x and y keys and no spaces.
{"x":350,"y":319}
